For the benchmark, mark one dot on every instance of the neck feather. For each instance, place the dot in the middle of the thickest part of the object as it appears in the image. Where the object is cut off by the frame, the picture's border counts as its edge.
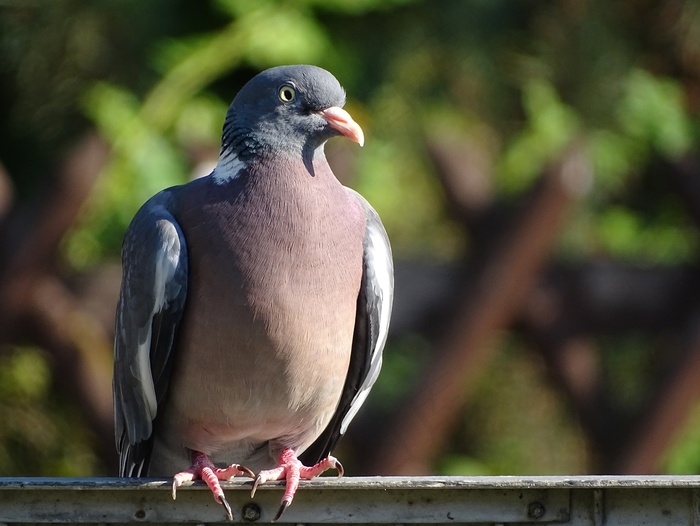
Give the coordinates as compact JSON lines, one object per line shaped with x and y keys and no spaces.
{"x":228,"y":168}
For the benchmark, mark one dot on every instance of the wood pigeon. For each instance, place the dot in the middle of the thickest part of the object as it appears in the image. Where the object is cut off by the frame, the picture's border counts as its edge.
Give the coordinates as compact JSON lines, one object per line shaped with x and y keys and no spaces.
{"x":255,"y":302}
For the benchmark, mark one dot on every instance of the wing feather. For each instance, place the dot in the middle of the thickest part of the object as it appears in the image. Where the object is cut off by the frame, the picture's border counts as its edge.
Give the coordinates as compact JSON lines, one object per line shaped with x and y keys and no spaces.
{"x":151,"y":302}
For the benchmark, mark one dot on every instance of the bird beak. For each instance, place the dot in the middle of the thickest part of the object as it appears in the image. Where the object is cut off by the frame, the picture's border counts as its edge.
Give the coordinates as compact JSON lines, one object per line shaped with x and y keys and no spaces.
{"x":340,"y":120}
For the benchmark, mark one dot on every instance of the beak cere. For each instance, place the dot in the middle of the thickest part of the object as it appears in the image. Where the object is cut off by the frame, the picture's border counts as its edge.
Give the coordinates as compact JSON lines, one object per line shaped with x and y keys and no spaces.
{"x":340,"y":120}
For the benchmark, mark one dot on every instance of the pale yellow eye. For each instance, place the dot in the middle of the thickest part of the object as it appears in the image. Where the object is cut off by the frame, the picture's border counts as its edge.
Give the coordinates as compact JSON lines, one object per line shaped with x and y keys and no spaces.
{"x":287,"y":93}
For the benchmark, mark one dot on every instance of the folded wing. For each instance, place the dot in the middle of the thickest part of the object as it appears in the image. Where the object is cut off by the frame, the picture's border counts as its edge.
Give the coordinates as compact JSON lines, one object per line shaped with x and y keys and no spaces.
{"x":151,"y":303}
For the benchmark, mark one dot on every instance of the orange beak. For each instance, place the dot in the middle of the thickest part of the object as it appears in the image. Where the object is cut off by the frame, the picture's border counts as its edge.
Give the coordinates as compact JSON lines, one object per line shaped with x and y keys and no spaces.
{"x":340,"y":120}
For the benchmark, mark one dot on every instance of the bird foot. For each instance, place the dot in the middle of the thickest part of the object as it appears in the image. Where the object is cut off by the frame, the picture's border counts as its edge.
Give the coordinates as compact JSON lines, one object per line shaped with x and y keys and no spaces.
{"x":204,"y":469}
{"x":290,"y":468}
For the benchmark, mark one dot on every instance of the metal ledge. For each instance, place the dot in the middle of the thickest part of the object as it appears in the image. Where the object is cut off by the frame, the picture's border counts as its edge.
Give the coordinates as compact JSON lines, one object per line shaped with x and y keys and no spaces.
{"x":586,"y":500}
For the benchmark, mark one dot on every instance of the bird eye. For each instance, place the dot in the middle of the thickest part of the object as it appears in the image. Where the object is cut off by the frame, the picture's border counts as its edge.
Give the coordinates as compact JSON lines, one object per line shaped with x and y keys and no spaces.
{"x":287,"y":93}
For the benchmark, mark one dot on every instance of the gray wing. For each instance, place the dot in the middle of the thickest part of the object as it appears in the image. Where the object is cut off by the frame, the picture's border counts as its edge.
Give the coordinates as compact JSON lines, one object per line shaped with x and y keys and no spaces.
{"x":152,"y":299}
{"x":371,"y":328}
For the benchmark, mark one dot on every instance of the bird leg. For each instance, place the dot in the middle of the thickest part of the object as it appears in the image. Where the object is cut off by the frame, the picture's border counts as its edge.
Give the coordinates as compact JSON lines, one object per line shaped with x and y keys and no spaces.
{"x":290,"y":468}
{"x":204,"y":469}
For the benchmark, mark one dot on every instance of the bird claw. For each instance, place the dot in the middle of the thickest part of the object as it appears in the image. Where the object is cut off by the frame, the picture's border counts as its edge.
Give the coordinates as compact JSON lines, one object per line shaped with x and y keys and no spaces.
{"x":256,"y":483}
{"x":227,"y":506}
{"x":245,"y":471}
{"x":260,"y":479}
{"x":283,"y":506}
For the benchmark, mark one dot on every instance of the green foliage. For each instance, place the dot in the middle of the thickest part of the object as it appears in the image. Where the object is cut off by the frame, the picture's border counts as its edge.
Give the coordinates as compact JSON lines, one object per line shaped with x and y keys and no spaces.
{"x":403,"y":363}
{"x":650,"y":120}
{"x":622,"y":232}
{"x":39,"y":434}
{"x":653,"y":113}
{"x":550,"y":128}
{"x":153,"y":135}
{"x":143,"y":162}
{"x":683,"y":457}
{"x":516,"y":423}
{"x":412,"y":210}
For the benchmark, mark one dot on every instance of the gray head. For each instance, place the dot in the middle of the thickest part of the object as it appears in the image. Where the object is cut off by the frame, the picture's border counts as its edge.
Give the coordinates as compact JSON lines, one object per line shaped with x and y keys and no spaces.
{"x":287,"y":109}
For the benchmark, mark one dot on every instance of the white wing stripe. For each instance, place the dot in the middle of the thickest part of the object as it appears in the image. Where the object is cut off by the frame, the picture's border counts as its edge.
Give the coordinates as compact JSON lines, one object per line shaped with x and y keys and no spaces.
{"x":381,"y":265}
{"x":165,"y":267}
{"x":383,"y":272}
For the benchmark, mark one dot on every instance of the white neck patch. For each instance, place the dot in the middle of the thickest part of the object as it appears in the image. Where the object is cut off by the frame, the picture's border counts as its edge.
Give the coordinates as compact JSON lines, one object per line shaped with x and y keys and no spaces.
{"x":227,"y":169}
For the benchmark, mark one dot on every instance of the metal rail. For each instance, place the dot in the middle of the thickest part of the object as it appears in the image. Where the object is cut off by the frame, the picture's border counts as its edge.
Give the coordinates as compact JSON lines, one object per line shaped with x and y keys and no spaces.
{"x":584,"y":500}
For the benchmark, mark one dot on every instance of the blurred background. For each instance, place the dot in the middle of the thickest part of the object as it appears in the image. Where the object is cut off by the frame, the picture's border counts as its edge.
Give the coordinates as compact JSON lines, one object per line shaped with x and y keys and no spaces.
{"x":536,"y":164}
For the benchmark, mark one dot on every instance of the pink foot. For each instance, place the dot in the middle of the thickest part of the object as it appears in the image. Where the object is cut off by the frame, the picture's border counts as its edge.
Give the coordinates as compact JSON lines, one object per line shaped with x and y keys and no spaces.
{"x":203,"y":468}
{"x":290,"y":468}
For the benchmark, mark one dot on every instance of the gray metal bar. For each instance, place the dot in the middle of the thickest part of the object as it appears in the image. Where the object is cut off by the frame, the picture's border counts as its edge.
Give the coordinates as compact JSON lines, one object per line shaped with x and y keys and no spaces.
{"x":586,"y":500}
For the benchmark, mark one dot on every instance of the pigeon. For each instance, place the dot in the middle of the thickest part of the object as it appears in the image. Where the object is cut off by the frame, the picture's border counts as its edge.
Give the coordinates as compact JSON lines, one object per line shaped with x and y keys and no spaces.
{"x":255,"y":302}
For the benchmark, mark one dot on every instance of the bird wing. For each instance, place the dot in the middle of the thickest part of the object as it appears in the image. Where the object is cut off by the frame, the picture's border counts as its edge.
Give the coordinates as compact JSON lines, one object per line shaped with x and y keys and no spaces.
{"x":371,"y":328}
{"x":152,"y":299}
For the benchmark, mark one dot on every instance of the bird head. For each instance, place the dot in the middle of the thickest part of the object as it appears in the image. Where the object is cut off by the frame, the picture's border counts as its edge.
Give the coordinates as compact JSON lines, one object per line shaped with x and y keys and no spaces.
{"x":287,"y":109}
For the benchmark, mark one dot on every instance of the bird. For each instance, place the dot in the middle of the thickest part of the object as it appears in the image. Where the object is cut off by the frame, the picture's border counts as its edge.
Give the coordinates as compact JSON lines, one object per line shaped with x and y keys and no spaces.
{"x":255,"y":301}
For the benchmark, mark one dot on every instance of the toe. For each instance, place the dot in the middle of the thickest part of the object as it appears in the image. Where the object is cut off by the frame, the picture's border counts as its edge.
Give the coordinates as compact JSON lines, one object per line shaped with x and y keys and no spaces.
{"x":233,"y":470}
{"x":179,"y":478}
